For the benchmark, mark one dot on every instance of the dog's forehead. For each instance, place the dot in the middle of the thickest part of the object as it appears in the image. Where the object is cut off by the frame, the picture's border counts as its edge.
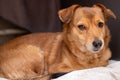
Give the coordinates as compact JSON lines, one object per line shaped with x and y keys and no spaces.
{"x":88,"y":12}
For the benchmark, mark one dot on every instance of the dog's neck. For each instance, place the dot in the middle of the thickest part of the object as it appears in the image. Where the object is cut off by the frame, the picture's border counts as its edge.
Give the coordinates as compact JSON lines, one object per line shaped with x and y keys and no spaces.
{"x":74,"y":51}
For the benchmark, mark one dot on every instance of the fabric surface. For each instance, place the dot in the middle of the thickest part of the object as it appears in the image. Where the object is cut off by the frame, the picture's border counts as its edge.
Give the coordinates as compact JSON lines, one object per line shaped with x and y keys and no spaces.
{"x":111,"y":72}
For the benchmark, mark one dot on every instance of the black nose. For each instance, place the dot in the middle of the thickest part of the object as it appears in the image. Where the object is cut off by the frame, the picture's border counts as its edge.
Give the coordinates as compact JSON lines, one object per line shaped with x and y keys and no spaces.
{"x":97,"y":44}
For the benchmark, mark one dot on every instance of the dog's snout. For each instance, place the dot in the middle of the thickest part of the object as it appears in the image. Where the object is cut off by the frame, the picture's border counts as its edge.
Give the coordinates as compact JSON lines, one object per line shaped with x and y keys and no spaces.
{"x":97,"y":44}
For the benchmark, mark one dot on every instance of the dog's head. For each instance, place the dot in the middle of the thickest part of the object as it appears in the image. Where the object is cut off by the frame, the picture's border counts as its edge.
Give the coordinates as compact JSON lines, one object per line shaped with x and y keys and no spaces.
{"x":87,"y":26}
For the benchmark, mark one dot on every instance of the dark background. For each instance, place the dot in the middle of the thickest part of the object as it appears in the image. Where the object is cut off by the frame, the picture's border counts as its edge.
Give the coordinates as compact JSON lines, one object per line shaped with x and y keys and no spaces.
{"x":29,"y":16}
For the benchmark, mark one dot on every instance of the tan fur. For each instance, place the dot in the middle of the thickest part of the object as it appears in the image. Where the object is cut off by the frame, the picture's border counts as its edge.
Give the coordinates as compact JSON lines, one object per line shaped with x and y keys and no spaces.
{"x":39,"y":54}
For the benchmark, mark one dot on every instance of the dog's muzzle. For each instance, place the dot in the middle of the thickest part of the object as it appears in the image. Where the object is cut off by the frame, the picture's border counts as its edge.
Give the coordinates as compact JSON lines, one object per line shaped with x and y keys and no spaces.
{"x":97,"y":44}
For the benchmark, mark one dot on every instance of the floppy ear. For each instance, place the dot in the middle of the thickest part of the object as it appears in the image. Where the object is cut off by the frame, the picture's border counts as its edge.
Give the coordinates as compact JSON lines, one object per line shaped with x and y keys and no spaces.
{"x":66,"y":14}
{"x":107,"y":12}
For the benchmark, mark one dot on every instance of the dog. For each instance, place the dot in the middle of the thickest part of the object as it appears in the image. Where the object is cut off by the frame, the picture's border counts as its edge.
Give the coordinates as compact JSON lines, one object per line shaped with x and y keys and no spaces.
{"x":84,"y":43}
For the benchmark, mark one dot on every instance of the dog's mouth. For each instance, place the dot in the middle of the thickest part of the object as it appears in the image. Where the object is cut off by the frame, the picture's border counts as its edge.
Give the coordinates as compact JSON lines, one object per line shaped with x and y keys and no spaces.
{"x":96,"y":49}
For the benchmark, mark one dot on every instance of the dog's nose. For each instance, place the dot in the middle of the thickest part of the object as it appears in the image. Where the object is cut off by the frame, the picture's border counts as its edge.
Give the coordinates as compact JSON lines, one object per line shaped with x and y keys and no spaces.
{"x":97,"y":44}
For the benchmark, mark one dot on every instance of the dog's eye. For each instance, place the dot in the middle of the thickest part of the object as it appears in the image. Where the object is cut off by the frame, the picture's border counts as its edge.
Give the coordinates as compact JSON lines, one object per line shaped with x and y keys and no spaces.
{"x":100,"y":24}
{"x":81,"y":27}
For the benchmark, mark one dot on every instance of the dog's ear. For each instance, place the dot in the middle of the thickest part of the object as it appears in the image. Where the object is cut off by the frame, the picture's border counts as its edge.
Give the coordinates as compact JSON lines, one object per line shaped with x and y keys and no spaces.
{"x":66,"y":14}
{"x":107,"y":12}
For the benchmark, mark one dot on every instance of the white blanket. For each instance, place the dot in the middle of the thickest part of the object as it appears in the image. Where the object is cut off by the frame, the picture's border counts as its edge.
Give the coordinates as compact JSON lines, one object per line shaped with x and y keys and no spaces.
{"x":111,"y":72}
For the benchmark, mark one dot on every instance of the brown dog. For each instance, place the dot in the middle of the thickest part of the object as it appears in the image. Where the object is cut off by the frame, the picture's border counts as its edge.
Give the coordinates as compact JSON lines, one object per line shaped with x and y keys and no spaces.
{"x":82,"y":44}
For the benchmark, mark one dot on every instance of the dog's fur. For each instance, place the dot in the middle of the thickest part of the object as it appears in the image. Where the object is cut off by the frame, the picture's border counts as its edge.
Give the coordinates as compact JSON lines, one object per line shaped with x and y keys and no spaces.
{"x":41,"y":53}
